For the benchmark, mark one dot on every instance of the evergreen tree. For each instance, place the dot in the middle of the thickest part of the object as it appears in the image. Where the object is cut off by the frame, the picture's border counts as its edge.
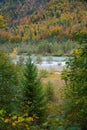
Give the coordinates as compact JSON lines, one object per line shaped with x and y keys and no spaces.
{"x":34,"y":98}
{"x":8,"y":80}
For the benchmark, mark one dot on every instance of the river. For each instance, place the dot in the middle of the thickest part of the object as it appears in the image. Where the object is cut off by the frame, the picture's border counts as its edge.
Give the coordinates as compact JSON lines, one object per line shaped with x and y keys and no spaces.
{"x":45,"y":62}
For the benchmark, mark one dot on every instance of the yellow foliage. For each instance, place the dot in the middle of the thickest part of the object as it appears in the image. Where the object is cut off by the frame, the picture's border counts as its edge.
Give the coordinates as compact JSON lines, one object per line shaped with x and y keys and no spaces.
{"x":1,"y":17}
{"x":16,"y":38}
{"x":20,"y":119}
{"x":29,"y":119}
{"x":14,"y":53}
{"x":1,"y":21}
{"x":66,"y":17}
{"x":13,"y":124}
{"x":14,"y":117}
{"x":27,"y":127}
{"x":6,"y":120}
{"x":15,"y":121}
{"x":55,"y":30}
{"x":78,"y":52}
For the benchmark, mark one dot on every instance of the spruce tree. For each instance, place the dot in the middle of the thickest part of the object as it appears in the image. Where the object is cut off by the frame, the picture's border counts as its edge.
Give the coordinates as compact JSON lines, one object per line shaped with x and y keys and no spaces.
{"x":8,"y":79}
{"x":34,"y":98}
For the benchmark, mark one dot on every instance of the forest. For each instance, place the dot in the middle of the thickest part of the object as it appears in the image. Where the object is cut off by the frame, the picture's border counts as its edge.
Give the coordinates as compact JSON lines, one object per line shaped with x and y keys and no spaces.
{"x":41,"y":99}
{"x":49,"y":24}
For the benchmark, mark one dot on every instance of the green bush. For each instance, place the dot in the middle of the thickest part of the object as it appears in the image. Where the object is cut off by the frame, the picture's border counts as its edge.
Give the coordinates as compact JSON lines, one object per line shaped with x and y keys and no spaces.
{"x":50,"y":91}
{"x":15,"y":121}
{"x":76,"y":89}
{"x":53,"y":123}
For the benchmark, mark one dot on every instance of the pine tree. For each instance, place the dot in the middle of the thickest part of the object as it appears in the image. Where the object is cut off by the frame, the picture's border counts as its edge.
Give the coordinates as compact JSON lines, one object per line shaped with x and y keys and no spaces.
{"x":34,"y":98}
{"x":8,"y":79}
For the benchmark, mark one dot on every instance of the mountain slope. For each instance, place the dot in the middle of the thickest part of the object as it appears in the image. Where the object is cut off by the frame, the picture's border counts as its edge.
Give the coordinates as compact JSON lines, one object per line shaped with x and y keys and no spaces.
{"x":41,"y":19}
{"x":20,"y":8}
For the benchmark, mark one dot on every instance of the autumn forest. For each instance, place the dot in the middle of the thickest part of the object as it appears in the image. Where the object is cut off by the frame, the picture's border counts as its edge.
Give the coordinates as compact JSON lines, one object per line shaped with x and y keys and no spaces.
{"x":41,"y":22}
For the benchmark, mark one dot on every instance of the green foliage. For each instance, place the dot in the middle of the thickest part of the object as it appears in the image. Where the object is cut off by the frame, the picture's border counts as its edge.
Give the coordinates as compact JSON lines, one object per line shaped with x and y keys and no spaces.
{"x":34,"y":98}
{"x":58,"y":48}
{"x":15,"y":121}
{"x":45,"y":47}
{"x":43,"y":73}
{"x":59,"y":53}
{"x":38,"y":59}
{"x":76,"y":89}
{"x":21,"y":60}
{"x":8,"y":82}
{"x":50,"y":91}
{"x":81,"y":35}
{"x":53,"y":123}
{"x":74,"y":128}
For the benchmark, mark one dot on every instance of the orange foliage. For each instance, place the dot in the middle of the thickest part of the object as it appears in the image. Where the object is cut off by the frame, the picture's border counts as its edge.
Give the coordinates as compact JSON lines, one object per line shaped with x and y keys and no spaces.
{"x":1,"y":21}
{"x":55,"y":30}
{"x":57,"y":18}
{"x":16,"y":38}
{"x":4,"y":36}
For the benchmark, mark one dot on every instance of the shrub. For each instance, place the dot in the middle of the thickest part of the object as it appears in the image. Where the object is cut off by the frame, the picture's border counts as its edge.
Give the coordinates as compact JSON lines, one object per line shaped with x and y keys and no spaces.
{"x":76,"y":89}
{"x":49,"y":91}
{"x":15,"y":121}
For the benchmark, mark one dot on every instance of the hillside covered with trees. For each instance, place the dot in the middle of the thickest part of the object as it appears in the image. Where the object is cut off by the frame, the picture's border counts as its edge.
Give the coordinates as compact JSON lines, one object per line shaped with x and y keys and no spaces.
{"x":56,"y":21}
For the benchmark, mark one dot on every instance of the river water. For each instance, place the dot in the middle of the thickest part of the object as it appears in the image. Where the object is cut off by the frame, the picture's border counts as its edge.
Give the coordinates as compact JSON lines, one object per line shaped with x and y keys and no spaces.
{"x":45,"y":62}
